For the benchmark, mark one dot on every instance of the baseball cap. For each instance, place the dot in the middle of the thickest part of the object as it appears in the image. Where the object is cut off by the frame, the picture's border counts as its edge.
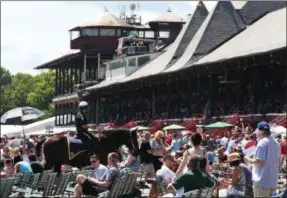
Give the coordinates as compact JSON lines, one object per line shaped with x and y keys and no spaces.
{"x":263,"y":126}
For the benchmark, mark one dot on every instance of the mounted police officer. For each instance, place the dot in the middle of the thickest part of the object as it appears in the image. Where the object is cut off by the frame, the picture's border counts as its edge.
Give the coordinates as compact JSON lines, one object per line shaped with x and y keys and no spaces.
{"x":82,"y":127}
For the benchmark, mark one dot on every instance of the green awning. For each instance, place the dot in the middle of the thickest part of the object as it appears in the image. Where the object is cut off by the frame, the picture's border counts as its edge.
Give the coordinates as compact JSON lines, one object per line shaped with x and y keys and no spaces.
{"x":173,"y":127}
{"x":218,"y":125}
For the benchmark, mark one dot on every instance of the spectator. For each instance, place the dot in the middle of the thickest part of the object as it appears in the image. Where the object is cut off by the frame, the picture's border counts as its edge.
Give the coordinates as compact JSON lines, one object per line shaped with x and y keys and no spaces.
{"x":158,"y":149}
{"x":168,"y":140}
{"x":202,"y":166}
{"x":8,"y":167}
{"x":165,"y":174}
{"x":36,"y":166}
{"x":196,"y":141}
{"x":100,"y":172}
{"x":224,"y":141}
{"x":24,"y":154}
{"x":241,"y":183}
{"x":146,"y":158}
{"x":6,"y":153}
{"x":210,"y":155}
{"x":21,"y":166}
{"x":175,"y":144}
{"x":91,"y":186}
{"x":266,"y":162}
{"x":283,"y":146}
{"x":131,"y":161}
{"x":186,"y":138}
{"x":193,"y":179}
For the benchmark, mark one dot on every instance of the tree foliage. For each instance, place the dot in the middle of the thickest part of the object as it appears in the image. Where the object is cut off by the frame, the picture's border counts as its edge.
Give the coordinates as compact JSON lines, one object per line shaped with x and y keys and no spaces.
{"x":26,"y":90}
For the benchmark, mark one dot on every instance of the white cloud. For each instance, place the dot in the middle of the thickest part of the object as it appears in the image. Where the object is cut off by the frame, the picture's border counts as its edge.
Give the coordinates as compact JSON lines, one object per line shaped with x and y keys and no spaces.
{"x":33,"y":33}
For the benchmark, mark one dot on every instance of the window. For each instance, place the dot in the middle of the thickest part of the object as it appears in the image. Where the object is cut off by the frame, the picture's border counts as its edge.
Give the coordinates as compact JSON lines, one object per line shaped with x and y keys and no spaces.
{"x":141,"y":34}
{"x":143,"y":60}
{"x":149,"y":34}
{"x":163,"y":34}
{"x":119,"y":32}
{"x":90,"y":32}
{"x":132,"y":62}
{"x":107,"y":32}
{"x":117,"y":64}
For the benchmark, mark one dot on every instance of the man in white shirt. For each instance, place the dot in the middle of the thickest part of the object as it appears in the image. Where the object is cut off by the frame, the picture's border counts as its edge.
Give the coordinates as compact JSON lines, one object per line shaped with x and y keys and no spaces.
{"x":164,"y":175}
{"x":224,"y":141}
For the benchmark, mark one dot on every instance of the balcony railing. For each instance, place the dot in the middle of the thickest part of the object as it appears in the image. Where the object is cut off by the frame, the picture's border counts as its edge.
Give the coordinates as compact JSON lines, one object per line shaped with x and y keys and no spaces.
{"x":129,"y":50}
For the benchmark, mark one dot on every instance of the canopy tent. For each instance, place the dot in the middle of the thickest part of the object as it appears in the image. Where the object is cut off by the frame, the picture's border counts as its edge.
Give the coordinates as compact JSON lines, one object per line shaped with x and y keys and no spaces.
{"x":278,"y":130}
{"x":173,"y":127}
{"x":44,"y":125}
{"x":218,"y":125}
{"x":11,"y":130}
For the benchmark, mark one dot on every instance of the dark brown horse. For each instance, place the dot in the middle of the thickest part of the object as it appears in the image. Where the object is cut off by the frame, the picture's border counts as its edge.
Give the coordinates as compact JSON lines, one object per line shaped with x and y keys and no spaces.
{"x":56,"y":149}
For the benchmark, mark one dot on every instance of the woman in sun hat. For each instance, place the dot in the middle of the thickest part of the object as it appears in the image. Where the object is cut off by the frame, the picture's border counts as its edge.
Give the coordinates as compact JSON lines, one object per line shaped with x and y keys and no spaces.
{"x":241,"y":182}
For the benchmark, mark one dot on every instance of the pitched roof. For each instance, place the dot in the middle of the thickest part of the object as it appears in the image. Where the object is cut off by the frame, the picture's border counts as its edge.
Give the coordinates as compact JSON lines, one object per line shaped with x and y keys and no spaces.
{"x":266,"y":34}
{"x":154,"y":67}
{"x":168,"y":17}
{"x":253,"y":10}
{"x":106,"y":19}
{"x":222,"y":23}
{"x":197,"y":19}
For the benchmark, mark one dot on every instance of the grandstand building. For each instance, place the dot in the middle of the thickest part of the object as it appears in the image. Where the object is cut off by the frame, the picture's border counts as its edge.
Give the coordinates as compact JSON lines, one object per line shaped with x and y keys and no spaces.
{"x":231,"y":59}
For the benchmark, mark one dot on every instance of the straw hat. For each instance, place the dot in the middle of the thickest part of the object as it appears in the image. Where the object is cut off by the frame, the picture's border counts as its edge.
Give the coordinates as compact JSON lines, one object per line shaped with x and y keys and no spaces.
{"x":233,"y":157}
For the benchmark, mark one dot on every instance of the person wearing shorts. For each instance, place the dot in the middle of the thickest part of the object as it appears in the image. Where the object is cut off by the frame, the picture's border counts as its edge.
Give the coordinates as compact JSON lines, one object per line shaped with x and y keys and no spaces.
{"x":147,"y":158}
{"x":92,"y":186}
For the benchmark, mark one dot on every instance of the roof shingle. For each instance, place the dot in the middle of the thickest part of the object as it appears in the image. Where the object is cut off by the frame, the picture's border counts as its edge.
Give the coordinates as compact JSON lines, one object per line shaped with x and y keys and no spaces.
{"x":253,"y":10}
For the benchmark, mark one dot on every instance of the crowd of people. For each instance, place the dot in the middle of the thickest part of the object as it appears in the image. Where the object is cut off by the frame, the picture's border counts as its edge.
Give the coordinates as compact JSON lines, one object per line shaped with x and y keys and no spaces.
{"x":252,"y":163}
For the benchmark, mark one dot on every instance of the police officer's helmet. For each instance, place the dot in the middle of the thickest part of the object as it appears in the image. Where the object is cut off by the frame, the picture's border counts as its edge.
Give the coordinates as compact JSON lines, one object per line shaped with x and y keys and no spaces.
{"x":83,"y":105}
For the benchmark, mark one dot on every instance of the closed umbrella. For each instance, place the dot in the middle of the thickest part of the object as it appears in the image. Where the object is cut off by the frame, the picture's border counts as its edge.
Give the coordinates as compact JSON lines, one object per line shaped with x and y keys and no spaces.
{"x":173,"y":127}
{"x":218,"y":125}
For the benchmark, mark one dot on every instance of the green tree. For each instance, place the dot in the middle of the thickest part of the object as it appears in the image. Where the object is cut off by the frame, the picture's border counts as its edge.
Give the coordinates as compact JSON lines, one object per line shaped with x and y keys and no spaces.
{"x":5,"y":81}
{"x":22,"y":84}
{"x":42,"y":94}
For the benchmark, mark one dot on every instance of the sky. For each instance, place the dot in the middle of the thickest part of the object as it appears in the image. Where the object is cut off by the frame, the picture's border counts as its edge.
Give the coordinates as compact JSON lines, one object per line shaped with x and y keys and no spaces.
{"x":35,"y":32}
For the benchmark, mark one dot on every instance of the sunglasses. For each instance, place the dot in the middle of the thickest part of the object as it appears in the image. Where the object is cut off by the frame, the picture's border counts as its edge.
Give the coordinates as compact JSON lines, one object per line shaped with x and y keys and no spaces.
{"x":94,"y":161}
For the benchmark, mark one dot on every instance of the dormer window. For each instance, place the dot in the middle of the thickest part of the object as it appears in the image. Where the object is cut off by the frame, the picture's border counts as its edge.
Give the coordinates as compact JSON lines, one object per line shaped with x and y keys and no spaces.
{"x":90,"y":32}
{"x":107,"y":32}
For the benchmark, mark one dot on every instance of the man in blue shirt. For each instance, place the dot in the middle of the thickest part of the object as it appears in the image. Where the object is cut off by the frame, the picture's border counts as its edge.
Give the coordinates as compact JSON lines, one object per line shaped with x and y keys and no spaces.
{"x":266,"y":162}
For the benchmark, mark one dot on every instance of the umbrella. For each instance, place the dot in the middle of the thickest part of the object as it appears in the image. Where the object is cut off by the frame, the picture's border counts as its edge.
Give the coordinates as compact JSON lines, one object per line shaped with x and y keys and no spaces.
{"x":173,"y":127}
{"x":218,"y":125}
{"x":25,"y":113}
{"x":140,"y":128}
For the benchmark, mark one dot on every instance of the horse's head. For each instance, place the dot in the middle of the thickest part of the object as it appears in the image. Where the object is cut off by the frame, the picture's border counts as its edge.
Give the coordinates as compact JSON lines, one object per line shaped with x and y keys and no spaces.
{"x":121,"y":137}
